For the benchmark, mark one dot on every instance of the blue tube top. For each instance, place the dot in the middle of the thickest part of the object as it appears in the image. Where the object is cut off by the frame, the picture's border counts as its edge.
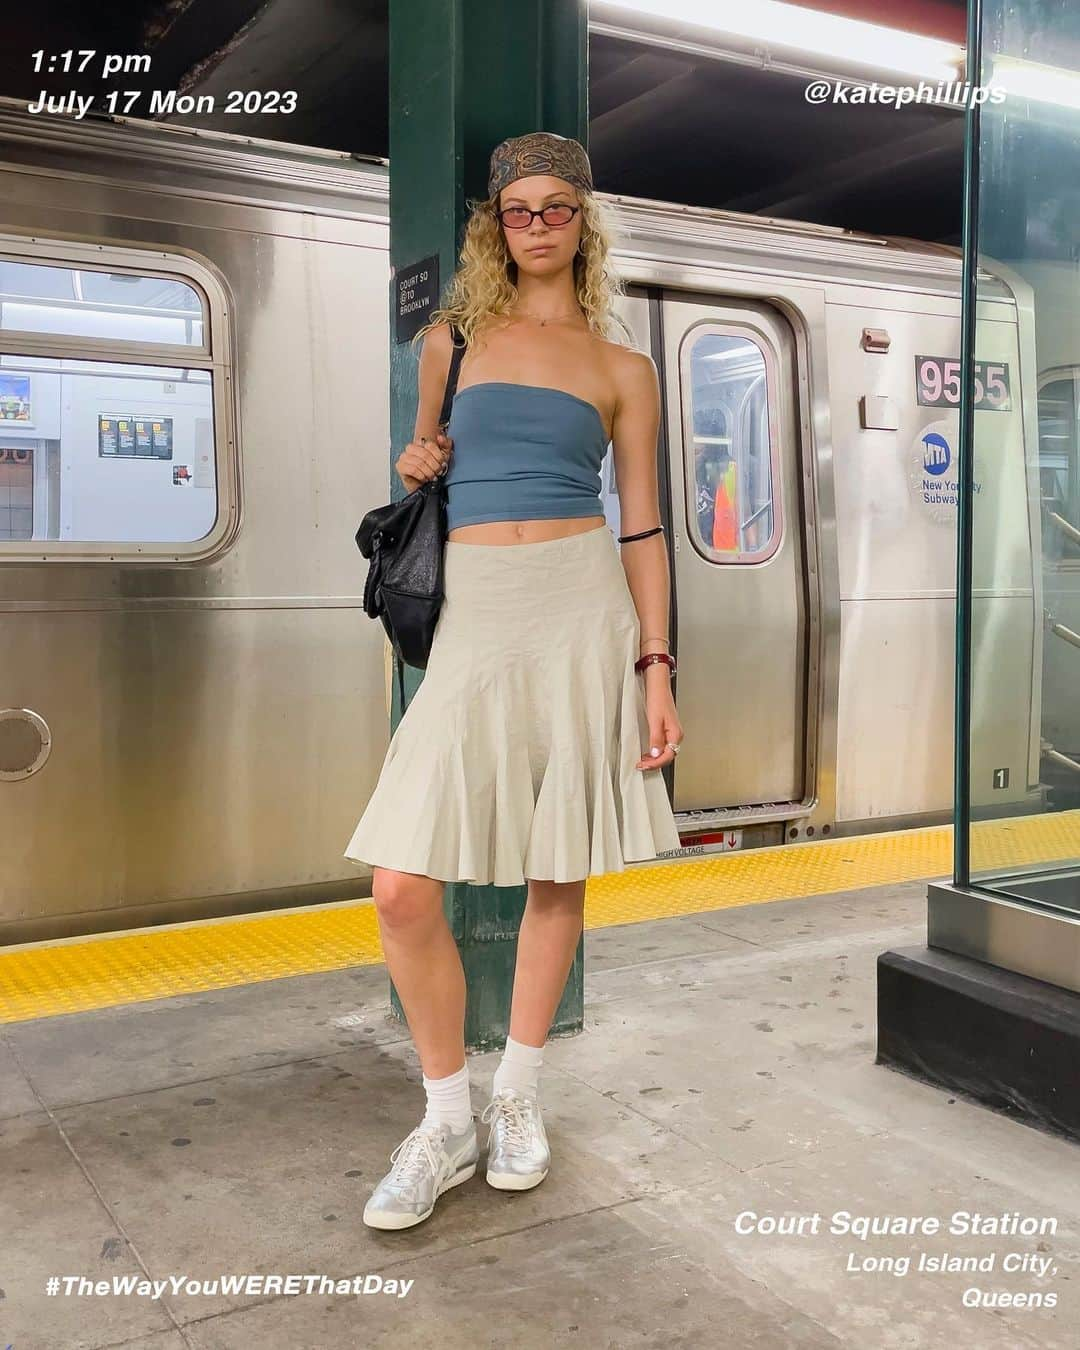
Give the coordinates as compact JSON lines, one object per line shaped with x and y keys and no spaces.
{"x":522,"y":452}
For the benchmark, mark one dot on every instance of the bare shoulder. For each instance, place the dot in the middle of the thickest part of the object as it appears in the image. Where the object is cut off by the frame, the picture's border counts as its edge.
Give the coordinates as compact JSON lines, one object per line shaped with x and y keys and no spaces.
{"x":436,"y":347}
{"x":436,"y":350}
{"x":438,"y":341}
{"x":633,"y":372}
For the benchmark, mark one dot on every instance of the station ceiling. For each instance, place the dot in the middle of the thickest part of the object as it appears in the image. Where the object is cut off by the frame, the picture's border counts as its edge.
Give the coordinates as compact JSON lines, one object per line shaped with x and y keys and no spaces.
{"x":726,"y":125}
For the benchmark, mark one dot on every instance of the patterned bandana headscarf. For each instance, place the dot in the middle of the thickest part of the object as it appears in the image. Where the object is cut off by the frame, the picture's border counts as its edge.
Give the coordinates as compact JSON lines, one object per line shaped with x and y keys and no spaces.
{"x":539,"y":152}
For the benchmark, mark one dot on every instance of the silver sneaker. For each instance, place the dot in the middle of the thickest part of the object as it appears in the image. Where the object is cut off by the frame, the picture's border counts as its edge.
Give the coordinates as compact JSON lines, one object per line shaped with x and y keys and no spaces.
{"x":429,"y":1160}
{"x":518,"y":1156}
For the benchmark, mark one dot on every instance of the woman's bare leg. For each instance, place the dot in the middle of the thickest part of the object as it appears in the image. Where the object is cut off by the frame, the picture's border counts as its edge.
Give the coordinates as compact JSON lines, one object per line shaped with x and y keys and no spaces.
{"x":423,"y":961}
{"x":547,"y":940}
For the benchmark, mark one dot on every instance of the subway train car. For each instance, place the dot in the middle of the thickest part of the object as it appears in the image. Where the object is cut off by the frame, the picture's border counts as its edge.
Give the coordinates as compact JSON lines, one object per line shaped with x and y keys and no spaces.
{"x":194,"y":366}
{"x":1058,"y":426}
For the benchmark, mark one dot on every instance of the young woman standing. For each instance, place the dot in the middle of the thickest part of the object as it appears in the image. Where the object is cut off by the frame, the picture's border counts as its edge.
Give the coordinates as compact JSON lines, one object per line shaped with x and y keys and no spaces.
{"x":530,"y":753}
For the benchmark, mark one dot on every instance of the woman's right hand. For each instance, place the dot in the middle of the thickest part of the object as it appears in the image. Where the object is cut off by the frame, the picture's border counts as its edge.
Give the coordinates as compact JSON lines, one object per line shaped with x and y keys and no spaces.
{"x":423,"y":460}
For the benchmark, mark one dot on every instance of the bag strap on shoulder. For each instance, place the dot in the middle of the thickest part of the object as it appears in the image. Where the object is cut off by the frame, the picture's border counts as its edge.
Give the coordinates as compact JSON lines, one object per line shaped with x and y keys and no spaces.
{"x":452,"y":374}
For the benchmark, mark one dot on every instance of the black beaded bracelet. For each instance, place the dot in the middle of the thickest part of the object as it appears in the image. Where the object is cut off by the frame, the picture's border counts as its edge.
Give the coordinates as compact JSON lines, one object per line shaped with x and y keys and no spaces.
{"x":626,"y":538}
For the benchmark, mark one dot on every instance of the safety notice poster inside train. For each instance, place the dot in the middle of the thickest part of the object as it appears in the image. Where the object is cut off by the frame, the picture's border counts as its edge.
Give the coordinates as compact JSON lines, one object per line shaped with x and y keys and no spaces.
{"x":14,"y":398}
{"x":135,"y":437}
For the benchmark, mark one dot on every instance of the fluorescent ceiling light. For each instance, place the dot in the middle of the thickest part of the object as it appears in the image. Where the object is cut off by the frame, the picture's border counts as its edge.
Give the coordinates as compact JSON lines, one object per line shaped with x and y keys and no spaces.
{"x":809,"y":31}
{"x":1044,"y":84}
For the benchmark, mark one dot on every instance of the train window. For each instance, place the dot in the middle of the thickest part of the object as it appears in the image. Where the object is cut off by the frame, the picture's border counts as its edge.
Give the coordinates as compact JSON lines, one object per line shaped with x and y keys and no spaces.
{"x":116,"y":425}
{"x":1059,"y":462}
{"x":86,"y":303}
{"x":105,"y":451}
{"x":730,"y":469}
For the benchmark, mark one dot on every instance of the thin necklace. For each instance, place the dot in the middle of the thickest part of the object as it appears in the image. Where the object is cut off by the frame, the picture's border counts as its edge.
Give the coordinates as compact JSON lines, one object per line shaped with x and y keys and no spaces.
{"x":551,"y":318}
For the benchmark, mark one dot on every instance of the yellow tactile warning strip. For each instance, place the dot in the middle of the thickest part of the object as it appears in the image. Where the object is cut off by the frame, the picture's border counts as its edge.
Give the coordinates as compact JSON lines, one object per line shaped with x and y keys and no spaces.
{"x":820,"y":867}
{"x":78,"y":974}
{"x":40,"y":980}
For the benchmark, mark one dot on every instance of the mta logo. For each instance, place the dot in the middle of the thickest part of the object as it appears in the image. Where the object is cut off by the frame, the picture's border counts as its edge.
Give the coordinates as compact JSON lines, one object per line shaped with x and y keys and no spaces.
{"x":936,"y":453}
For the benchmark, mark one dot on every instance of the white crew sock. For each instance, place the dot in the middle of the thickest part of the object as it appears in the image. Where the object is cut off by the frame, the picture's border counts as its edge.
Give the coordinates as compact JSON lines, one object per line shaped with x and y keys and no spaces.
{"x":519,"y":1068}
{"x":448,"y":1099}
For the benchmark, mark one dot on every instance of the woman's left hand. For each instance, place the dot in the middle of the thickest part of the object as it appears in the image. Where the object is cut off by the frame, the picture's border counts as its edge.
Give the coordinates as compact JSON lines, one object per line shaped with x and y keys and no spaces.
{"x":664,"y":724}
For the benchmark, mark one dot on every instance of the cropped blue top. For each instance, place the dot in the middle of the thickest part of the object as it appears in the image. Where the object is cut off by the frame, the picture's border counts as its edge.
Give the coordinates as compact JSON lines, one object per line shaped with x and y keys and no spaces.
{"x":522,"y":452}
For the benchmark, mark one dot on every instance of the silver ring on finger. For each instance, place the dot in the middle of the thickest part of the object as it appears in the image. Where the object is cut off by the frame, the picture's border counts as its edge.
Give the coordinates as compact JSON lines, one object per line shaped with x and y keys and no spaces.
{"x":672,"y":747}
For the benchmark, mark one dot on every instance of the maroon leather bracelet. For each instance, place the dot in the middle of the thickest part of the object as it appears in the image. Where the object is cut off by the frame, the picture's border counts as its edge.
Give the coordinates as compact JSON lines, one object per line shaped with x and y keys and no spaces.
{"x":650,"y":657}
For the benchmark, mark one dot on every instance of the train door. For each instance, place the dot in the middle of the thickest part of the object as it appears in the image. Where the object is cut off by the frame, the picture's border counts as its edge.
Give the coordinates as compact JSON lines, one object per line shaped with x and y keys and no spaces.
{"x":729,"y":370}
{"x":16,"y":491}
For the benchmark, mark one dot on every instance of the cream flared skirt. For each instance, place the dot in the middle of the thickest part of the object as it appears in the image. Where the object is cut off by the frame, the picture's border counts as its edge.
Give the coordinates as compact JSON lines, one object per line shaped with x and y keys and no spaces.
{"x":516,"y":757}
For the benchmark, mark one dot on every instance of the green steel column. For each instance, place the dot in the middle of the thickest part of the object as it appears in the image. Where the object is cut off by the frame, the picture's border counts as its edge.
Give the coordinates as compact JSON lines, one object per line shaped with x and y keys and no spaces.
{"x":464,"y":74}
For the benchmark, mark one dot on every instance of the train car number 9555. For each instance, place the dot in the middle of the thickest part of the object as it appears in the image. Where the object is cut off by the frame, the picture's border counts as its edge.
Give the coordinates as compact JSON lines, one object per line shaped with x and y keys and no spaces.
{"x":937,"y":384}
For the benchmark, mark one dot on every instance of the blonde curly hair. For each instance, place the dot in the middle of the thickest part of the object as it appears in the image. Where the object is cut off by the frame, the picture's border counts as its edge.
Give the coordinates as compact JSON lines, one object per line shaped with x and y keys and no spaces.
{"x":484,"y":283}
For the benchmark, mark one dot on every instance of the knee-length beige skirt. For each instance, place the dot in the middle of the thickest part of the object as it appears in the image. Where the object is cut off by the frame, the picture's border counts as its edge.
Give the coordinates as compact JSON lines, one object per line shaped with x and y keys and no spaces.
{"x":516,"y":757}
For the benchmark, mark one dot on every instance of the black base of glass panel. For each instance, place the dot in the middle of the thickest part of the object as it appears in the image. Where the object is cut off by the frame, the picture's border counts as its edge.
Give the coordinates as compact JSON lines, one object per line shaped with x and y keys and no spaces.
{"x":1008,"y":1040}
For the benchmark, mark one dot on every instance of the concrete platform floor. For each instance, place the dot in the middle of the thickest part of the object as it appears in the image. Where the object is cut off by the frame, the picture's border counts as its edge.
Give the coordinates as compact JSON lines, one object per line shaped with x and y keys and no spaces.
{"x":726,"y":1066}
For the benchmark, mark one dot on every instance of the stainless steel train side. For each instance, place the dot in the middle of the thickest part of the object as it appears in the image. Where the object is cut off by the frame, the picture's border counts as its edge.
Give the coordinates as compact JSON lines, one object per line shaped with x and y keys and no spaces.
{"x":191,"y":725}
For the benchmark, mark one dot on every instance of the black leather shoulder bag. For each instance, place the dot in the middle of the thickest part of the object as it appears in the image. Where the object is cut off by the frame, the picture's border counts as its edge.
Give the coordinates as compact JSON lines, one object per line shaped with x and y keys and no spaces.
{"x":404,"y":541}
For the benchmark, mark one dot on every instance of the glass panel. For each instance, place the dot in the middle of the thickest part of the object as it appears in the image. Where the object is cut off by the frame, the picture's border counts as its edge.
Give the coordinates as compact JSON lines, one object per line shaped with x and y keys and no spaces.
{"x":1059,"y":481}
{"x":75,"y":302}
{"x":100,"y":451}
{"x":729,"y":449}
{"x":1023,"y":751}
